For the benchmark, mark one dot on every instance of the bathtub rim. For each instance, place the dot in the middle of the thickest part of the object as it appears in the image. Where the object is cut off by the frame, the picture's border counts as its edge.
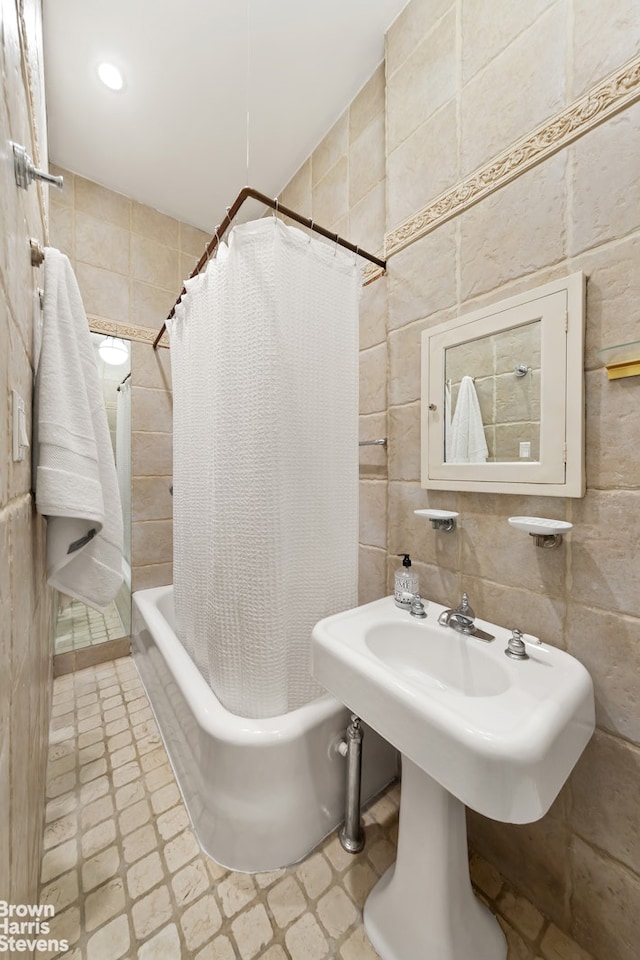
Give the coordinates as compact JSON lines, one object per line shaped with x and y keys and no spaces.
{"x":211,"y":716}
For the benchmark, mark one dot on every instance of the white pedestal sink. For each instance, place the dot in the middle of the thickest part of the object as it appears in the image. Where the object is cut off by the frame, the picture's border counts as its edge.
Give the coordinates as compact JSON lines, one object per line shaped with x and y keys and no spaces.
{"x":424,"y":905}
{"x":474,"y":728}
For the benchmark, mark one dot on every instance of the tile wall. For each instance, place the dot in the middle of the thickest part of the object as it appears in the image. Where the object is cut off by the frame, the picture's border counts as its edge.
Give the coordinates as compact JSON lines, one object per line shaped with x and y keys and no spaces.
{"x":130,"y":261}
{"x":342,"y":187}
{"x":26,"y":625}
{"x":463,"y":80}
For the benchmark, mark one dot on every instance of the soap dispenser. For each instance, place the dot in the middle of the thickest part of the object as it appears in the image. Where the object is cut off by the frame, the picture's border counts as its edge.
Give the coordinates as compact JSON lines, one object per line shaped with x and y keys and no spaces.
{"x":405,"y":581}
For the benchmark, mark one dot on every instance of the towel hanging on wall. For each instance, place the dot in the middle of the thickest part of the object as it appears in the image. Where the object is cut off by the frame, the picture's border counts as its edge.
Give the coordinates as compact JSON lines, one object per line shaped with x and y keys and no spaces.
{"x":75,"y":474}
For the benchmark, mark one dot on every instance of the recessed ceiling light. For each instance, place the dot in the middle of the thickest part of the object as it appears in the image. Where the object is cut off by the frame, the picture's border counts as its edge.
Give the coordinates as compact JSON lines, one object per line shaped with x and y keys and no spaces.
{"x":110,"y":76}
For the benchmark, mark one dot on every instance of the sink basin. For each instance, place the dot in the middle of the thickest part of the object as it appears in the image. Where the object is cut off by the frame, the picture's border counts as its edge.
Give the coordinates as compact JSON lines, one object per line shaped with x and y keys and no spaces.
{"x":426,"y":658}
{"x":501,"y":735}
{"x":474,"y":728}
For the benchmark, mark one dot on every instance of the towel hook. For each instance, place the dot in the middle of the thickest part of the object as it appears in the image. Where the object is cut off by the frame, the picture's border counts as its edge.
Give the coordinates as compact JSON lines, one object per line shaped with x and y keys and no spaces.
{"x":37,"y":252}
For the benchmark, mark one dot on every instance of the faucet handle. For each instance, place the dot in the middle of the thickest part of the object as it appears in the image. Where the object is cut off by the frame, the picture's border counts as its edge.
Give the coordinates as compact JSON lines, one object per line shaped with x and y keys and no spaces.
{"x":515,"y":647}
{"x":414,"y":603}
{"x":417,"y":607}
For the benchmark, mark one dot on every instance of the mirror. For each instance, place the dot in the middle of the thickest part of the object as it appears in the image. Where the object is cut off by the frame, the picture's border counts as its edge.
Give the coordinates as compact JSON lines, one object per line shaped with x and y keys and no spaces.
{"x":77,"y":625}
{"x":502,"y":396}
{"x":504,"y":369}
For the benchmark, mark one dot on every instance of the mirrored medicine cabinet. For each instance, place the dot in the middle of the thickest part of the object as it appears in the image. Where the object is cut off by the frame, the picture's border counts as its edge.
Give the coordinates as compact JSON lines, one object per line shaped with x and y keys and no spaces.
{"x":503,"y":396}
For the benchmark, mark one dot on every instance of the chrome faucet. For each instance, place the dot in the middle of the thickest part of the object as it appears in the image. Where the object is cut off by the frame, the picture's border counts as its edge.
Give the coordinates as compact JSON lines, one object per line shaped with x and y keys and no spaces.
{"x":462,"y":618}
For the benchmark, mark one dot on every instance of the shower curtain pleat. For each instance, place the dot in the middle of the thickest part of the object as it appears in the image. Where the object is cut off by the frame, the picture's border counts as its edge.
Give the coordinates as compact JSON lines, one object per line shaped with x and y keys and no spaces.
{"x":265,"y":379}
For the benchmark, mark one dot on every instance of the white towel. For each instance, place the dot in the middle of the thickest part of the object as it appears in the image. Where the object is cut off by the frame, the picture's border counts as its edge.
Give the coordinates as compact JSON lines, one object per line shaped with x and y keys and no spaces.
{"x":76,"y":481}
{"x":468,"y":443}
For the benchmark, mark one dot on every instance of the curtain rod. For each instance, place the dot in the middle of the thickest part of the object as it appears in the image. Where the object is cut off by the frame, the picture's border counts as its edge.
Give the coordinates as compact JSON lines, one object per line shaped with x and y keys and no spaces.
{"x":232,"y":211}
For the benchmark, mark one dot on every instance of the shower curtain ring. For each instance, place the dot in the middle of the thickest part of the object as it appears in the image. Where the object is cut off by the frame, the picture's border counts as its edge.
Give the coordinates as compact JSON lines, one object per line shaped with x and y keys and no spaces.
{"x":336,"y":247}
{"x":208,"y":250}
{"x":310,"y":231}
{"x":275,"y":209}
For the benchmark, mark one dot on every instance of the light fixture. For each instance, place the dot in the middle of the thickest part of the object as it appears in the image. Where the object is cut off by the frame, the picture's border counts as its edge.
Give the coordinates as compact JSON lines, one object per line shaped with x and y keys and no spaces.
{"x":113,"y":350}
{"x":111,"y":76}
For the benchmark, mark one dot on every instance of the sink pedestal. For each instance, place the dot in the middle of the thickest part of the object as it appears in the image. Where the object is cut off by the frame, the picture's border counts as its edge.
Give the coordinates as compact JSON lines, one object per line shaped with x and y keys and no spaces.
{"x":423,"y":906}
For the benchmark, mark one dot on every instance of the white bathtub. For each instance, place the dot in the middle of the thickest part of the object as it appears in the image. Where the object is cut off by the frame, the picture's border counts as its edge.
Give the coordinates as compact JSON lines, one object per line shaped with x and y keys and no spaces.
{"x":261,"y":793}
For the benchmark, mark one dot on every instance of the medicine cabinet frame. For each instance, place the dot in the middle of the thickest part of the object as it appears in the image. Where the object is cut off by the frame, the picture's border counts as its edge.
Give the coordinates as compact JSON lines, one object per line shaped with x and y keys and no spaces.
{"x":559,"y":469}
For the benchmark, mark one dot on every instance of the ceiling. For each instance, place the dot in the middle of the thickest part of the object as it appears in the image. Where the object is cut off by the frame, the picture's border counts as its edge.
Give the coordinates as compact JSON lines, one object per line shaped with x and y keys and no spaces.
{"x":210,"y":86}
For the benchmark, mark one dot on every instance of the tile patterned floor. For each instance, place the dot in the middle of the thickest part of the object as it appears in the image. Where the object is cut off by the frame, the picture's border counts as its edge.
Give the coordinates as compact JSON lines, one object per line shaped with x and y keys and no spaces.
{"x":128,"y":880}
{"x":80,"y":626}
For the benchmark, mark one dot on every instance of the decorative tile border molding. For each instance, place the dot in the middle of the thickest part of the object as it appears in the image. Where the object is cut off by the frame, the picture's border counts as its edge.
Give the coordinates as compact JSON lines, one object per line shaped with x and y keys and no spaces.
{"x":371,"y":273}
{"x":603,"y":101}
{"x":113,"y":328}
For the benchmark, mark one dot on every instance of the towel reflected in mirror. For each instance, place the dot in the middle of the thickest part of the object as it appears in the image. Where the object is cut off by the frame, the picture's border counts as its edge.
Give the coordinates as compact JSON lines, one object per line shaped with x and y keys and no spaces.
{"x":466,"y":442}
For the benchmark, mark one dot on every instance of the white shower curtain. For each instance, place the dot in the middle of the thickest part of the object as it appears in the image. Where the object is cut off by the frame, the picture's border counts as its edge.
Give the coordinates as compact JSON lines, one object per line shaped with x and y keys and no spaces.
{"x":265,"y":385}
{"x":123,"y":461}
